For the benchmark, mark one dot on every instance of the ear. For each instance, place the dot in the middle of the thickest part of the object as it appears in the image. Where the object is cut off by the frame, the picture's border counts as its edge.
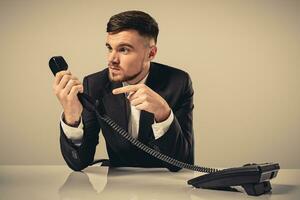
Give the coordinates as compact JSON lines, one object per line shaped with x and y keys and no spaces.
{"x":152,"y":53}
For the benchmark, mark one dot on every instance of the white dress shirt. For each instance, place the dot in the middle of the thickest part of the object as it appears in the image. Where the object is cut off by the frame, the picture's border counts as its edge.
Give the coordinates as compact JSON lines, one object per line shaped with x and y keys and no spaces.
{"x":159,"y":129}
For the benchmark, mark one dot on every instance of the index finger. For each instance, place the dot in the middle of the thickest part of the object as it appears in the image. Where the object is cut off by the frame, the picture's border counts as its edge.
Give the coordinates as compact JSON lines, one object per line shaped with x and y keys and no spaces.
{"x":128,"y":88}
{"x":59,"y":75}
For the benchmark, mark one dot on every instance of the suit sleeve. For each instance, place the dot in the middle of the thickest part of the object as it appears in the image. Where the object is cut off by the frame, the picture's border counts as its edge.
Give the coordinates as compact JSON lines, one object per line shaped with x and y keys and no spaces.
{"x":178,"y":141}
{"x":79,"y":157}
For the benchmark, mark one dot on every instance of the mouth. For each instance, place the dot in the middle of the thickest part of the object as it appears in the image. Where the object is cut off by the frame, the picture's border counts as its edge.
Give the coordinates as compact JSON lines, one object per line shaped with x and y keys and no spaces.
{"x":114,"y":69}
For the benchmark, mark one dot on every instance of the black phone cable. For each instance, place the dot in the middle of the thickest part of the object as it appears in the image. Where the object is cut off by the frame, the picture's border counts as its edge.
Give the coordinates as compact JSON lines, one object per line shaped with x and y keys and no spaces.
{"x":149,"y":150}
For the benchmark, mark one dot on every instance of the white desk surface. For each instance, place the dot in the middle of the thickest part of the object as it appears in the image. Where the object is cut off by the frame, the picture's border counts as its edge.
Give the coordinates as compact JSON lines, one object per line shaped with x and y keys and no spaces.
{"x":60,"y":182}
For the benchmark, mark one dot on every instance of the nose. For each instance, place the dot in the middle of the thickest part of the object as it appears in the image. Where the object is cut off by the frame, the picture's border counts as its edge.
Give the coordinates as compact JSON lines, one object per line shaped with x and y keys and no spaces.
{"x":113,"y":58}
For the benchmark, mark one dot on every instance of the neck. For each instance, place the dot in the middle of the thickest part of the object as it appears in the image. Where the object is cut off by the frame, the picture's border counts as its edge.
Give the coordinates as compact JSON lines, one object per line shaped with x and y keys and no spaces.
{"x":141,"y":76}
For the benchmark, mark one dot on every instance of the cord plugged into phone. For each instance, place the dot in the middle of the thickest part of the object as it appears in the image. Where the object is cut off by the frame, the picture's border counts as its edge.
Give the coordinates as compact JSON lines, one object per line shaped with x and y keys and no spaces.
{"x":254,"y":178}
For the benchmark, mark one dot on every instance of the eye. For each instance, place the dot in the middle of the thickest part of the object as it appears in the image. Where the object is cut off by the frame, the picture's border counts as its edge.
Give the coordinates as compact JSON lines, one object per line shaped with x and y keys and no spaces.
{"x":124,"y":50}
{"x":109,"y":49}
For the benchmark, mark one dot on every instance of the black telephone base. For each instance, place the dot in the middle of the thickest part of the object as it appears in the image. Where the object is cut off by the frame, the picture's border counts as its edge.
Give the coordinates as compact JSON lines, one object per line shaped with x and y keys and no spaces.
{"x":254,"y":178}
{"x":256,"y":189}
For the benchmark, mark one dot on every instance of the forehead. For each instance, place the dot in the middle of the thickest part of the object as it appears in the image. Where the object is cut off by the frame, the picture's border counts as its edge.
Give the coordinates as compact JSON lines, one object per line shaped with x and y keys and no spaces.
{"x":127,"y":36}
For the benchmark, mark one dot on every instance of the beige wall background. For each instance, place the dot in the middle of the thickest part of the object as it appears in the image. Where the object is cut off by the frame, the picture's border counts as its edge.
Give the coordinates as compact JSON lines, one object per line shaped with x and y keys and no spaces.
{"x":243,"y":57}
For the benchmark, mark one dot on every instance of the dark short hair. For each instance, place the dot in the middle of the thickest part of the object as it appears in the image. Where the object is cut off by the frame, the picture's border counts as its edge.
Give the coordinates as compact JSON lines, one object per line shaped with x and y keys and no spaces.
{"x":140,"y":21}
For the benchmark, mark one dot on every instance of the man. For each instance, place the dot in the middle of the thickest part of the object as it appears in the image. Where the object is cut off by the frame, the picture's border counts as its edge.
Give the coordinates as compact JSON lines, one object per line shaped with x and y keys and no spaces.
{"x":153,"y":102}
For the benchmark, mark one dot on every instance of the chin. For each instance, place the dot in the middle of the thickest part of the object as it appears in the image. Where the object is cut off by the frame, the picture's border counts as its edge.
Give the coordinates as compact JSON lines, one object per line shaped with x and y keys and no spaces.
{"x":116,"y":78}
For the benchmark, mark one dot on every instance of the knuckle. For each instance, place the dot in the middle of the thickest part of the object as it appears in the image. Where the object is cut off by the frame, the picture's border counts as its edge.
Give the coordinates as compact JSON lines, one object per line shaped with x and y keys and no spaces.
{"x":72,"y":89}
{"x":74,"y":77}
{"x":75,"y":82}
{"x":71,"y":82}
{"x":66,"y":77}
{"x":80,"y":87}
{"x":76,"y":88}
{"x":61,"y":73}
{"x":78,"y":82}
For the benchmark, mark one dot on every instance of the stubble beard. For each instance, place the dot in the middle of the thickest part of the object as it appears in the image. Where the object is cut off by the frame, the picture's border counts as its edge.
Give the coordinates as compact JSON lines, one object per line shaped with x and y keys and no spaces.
{"x":114,"y":78}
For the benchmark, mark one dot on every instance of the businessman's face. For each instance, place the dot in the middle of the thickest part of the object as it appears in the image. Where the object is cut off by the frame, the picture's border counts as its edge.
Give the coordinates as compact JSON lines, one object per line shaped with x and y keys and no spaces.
{"x":129,"y":56}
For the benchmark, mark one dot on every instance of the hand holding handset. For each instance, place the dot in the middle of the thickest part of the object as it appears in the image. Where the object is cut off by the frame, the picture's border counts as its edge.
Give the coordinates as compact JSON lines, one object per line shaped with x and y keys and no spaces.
{"x":254,"y":178}
{"x":57,"y":64}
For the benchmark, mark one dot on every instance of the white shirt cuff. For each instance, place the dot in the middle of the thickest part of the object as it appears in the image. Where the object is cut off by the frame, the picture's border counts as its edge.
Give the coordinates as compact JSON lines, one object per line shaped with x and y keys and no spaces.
{"x":159,"y":129}
{"x":73,"y":133}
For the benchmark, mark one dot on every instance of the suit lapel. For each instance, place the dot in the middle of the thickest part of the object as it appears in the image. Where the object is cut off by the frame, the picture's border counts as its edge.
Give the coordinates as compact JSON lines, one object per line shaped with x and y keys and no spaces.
{"x":117,"y":112}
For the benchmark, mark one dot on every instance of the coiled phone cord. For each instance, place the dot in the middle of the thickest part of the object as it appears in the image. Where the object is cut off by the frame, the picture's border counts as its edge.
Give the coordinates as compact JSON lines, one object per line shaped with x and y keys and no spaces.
{"x":149,"y":150}
{"x":57,"y":63}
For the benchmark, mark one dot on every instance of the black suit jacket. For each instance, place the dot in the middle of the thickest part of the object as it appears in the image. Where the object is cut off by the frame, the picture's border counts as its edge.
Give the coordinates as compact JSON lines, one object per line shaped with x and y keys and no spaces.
{"x":173,"y":85}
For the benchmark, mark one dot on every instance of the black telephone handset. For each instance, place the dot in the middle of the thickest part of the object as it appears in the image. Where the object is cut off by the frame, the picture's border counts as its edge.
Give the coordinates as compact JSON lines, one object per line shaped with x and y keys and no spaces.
{"x":254,"y":178}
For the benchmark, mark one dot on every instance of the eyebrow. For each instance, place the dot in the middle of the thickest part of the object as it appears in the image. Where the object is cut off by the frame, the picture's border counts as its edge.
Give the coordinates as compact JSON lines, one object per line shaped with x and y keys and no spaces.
{"x":120,"y":45}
